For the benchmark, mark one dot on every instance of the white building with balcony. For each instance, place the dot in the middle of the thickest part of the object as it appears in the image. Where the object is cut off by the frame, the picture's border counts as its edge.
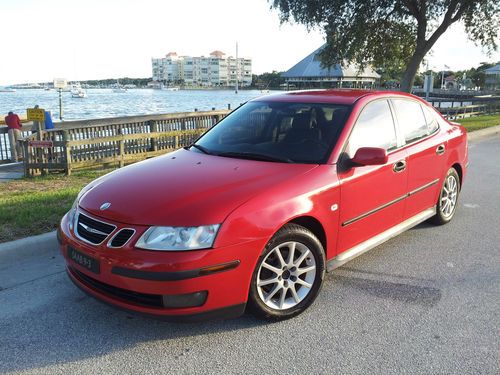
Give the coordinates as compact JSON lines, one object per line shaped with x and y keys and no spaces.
{"x":216,"y":70}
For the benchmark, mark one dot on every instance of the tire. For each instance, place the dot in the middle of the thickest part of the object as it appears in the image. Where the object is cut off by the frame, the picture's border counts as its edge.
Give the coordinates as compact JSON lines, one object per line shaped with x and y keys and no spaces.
{"x":282,"y":288}
{"x":448,"y":198}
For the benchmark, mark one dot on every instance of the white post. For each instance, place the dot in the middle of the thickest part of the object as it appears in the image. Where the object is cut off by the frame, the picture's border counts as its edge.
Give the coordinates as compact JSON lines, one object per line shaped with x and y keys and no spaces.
{"x":237,"y":69}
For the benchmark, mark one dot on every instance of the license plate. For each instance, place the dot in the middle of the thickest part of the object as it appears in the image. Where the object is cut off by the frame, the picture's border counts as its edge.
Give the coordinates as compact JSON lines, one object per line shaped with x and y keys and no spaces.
{"x":84,"y":260}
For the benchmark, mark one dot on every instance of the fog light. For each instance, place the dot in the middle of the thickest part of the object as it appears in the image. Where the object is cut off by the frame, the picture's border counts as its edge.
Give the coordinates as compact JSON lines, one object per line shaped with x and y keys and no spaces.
{"x":185,"y":300}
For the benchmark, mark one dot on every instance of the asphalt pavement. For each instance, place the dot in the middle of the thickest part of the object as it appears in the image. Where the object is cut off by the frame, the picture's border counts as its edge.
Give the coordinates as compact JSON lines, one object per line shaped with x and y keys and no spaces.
{"x":426,"y":302}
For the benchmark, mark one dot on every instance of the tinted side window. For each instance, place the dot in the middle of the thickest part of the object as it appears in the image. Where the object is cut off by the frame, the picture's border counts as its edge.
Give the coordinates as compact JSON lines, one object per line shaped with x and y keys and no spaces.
{"x":430,"y":118}
{"x":411,"y":119}
{"x":374,"y":128}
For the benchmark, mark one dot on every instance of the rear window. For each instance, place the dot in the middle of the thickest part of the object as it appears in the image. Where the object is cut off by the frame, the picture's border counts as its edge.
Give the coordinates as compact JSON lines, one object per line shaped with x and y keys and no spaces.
{"x":430,"y":118}
{"x":411,"y":119}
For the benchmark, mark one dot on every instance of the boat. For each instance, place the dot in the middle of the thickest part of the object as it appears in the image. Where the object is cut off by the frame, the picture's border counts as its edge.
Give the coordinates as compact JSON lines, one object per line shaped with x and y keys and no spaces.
{"x":119,"y":88}
{"x":7,"y":89}
{"x":173,"y":88}
{"x":77,"y":91}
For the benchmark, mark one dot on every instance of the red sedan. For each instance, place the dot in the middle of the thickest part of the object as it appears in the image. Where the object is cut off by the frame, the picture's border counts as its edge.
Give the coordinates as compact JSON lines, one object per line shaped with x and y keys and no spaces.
{"x":253,"y":214}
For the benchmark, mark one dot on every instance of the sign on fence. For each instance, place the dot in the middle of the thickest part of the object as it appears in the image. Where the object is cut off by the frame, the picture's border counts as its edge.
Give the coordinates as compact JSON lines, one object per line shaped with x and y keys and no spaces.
{"x":35,"y":114}
{"x":41,"y":144}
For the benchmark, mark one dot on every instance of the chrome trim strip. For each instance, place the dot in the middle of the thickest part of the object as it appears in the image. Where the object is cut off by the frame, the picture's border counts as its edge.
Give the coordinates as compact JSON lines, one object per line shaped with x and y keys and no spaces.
{"x":423,"y":187}
{"x":369,"y":244}
{"x":116,"y":234}
{"x":368,"y":213}
{"x":77,"y":215}
{"x":385,"y":205}
{"x":92,"y":230}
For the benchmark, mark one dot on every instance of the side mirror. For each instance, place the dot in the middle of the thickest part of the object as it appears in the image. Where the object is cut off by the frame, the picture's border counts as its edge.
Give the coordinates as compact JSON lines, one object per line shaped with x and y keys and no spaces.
{"x":370,"y":156}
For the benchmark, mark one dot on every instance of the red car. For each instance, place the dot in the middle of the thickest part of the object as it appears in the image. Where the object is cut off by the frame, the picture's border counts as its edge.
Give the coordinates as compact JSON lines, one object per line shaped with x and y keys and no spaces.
{"x":284,"y":189}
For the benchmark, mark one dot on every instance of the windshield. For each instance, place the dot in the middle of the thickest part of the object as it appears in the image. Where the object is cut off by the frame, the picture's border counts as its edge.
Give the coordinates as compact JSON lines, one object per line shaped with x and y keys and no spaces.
{"x":281,"y":132}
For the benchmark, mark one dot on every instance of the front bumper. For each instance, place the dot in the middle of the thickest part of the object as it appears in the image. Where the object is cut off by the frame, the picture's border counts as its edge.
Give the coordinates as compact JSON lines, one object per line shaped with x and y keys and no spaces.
{"x":142,"y":280}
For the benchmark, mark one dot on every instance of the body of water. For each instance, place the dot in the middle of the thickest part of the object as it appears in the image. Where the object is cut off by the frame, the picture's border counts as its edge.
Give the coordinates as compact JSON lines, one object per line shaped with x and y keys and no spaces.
{"x":102,"y":103}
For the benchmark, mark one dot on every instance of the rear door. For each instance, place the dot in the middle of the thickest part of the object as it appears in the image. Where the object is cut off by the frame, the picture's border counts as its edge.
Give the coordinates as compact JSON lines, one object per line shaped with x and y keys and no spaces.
{"x":372,"y":197}
{"x":426,"y":148}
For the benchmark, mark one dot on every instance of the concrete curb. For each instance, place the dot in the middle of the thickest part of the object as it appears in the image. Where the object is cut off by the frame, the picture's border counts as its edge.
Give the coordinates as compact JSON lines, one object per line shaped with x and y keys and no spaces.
{"x":43,"y":244}
{"x":483,"y":133}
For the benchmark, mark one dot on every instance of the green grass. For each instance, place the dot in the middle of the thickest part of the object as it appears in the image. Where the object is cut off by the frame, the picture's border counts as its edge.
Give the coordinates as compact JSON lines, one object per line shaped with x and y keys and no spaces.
{"x":32,"y":206}
{"x":479,"y":122}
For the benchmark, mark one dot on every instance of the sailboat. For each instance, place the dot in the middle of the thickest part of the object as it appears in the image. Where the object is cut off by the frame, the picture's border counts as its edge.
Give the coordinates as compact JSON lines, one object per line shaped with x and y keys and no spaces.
{"x":119,"y":88}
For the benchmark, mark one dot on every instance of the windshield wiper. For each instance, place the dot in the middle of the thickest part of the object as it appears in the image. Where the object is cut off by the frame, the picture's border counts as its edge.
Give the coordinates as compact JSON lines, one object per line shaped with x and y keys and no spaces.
{"x":255,"y":156}
{"x":198,"y":147}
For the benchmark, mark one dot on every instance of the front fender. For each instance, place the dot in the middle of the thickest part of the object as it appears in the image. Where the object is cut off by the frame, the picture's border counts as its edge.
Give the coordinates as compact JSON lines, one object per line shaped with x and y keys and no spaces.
{"x":312,"y":194}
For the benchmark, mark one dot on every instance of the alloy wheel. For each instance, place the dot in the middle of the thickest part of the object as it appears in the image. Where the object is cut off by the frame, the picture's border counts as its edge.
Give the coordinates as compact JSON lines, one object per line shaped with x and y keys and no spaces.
{"x":286,"y":275}
{"x":449,"y":196}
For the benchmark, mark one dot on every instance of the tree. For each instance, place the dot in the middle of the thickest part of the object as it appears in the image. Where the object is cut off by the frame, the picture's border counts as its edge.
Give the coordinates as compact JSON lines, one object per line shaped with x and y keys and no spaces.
{"x":391,"y":33}
{"x":268,"y":80}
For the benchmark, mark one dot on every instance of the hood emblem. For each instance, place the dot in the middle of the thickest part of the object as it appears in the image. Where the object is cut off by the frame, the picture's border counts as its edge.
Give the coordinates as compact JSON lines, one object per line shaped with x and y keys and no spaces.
{"x":105,"y":206}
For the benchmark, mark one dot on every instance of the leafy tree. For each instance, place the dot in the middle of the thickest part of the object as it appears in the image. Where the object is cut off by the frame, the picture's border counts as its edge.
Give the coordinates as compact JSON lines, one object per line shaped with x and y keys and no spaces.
{"x":391,"y":33}
{"x":267,"y":80}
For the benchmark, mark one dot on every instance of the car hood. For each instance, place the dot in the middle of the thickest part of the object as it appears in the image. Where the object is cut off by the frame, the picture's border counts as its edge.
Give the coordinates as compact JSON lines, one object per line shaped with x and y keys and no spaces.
{"x":184,"y":188}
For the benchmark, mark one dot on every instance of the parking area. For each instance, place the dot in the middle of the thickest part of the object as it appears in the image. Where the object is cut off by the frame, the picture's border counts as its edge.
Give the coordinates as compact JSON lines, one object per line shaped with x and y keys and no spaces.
{"x":426,"y":302}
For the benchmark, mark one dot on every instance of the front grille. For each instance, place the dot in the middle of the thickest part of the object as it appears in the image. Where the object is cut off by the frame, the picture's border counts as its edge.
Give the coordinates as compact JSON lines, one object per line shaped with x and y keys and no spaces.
{"x":93,"y":231}
{"x":122,"y":237}
{"x":143,"y":299}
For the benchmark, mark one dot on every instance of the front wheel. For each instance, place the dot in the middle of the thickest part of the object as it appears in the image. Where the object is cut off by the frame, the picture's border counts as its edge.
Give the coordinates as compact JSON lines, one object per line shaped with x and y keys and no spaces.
{"x":448,"y":197}
{"x":288,"y":275}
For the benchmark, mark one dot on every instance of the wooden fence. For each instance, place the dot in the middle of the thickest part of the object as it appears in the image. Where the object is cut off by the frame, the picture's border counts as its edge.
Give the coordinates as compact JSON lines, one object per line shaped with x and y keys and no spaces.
{"x":120,"y":140}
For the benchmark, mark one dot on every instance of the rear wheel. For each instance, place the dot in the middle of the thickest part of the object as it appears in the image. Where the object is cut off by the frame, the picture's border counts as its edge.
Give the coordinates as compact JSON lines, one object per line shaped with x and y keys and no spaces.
{"x":447,"y":202}
{"x":288,"y":275}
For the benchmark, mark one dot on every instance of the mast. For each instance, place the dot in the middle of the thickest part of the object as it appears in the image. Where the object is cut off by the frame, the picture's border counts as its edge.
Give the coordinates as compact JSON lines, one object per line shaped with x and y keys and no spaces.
{"x":237,"y":69}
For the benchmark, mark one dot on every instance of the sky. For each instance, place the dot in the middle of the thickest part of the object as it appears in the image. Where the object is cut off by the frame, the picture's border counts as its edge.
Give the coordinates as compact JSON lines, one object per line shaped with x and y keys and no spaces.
{"x":96,"y":39}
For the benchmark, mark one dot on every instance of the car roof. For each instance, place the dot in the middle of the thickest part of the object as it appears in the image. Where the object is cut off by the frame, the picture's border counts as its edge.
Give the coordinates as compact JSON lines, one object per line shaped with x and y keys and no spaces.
{"x":334,"y":96}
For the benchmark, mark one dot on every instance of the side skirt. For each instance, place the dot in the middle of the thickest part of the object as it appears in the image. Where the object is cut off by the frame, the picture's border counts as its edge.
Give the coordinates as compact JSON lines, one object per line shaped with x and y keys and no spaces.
{"x":369,"y":244}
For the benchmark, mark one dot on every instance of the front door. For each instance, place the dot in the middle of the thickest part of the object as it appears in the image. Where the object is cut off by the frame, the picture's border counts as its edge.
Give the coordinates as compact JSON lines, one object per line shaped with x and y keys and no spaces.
{"x":372,"y":198}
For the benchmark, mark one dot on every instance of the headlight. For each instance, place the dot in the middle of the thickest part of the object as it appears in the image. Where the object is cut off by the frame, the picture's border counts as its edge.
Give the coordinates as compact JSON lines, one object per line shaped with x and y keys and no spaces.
{"x":178,"y":238}
{"x":72,"y":211}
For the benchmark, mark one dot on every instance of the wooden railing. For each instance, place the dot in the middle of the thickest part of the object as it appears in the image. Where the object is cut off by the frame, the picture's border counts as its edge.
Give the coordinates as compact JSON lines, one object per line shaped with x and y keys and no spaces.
{"x":454,"y":113}
{"x":120,"y":140}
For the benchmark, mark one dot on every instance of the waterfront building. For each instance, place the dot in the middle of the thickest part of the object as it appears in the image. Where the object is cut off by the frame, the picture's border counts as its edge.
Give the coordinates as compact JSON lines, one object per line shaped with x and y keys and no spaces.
{"x":492,"y":77}
{"x":216,"y":70}
{"x":308,"y":73}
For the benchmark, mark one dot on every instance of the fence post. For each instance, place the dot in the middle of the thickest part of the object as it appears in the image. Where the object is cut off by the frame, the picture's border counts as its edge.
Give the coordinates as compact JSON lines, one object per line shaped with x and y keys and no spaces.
{"x":176,"y":142}
{"x":153,"y":128}
{"x":121,"y":145}
{"x":66,"y":152}
{"x":26,"y":157}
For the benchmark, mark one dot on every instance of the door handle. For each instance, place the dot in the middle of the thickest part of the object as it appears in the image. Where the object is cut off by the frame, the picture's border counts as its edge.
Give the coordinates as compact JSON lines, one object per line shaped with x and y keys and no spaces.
{"x":399,"y":166}
{"x":440,"y":149}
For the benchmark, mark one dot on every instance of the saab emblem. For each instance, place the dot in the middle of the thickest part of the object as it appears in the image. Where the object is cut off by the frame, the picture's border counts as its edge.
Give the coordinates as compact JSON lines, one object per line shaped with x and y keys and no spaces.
{"x":105,"y":206}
